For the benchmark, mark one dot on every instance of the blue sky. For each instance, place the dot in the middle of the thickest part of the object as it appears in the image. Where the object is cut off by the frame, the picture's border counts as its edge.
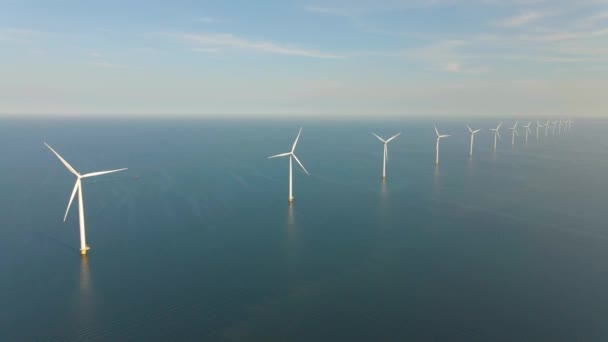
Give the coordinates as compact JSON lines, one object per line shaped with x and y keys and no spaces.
{"x":284,"y":58}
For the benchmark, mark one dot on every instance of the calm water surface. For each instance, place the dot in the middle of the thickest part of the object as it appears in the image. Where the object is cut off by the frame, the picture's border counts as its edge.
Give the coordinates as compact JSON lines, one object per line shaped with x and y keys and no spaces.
{"x":196,"y":240}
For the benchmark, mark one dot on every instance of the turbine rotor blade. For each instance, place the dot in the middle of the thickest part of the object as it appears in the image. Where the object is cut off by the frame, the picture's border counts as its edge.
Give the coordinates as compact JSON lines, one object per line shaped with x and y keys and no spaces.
{"x":436,"y":131}
{"x":470,"y":130}
{"x":444,"y":136}
{"x":67,"y":165}
{"x":280,"y":155}
{"x":71,"y":198}
{"x":302,"y":166}
{"x":93,"y":174}
{"x":376,"y":135}
{"x":498,"y":127}
{"x":393,"y":137}
{"x":293,"y":148}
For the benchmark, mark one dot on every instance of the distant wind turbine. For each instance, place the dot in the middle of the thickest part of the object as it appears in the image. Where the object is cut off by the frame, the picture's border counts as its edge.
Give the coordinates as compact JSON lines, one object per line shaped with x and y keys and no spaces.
{"x":78,"y":187}
{"x":514,"y":129}
{"x":496,"y":134}
{"x":291,"y":155}
{"x":472,"y":139}
{"x":538,"y":126}
{"x":553,"y":128}
{"x":527,"y":127}
{"x":439,"y":136}
{"x":547,"y":128}
{"x":385,"y":151}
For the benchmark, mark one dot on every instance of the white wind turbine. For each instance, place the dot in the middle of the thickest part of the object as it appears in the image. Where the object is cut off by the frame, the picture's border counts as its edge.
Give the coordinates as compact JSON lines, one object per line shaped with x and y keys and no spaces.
{"x":547,"y":128}
{"x":472,"y":139}
{"x":291,"y":156}
{"x":385,"y":151}
{"x":514,"y":129}
{"x":78,"y":187}
{"x":496,"y":134}
{"x":538,"y":126}
{"x":527,"y":127}
{"x":553,"y":128}
{"x":439,"y":136}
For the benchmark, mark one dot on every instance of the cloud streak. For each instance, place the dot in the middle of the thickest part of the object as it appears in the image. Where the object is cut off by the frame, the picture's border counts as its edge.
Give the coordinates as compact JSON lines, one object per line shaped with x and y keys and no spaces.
{"x":229,"y":40}
{"x":521,"y":19}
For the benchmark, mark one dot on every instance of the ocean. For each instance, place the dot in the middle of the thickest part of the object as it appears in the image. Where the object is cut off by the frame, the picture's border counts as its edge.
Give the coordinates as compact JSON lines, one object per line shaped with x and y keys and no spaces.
{"x":197,"y":241}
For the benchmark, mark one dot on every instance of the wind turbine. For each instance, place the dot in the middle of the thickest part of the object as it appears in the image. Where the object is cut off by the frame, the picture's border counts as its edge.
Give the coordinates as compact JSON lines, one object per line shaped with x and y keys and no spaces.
{"x":547,"y":128}
{"x":553,"y":128}
{"x":385,"y":151}
{"x":559,"y":130}
{"x":527,"y":127}
{"x":538,"y":126}
{"x":472,"y":138}
{"x":514,"y":129}
{"x":496,"y":134}
{"x":291,"y":156}
{"x":78,"y":187}
{"x":439,"y":136}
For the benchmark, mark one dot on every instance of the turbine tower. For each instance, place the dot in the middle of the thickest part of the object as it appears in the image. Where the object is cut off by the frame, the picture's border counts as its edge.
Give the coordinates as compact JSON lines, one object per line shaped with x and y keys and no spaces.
{"x":78,"y":187}
{"x":527,"y":127}
{"x":514,"y":129}
{"x":538,"y":126}
{"x":496,"y":134}
{"x":385,"y":151}
{"x":553,"y":128}
{"x":547,"y":128}
{"x":439,"y":136}
{"x":472,"y":139}
{"x":291,"y":156}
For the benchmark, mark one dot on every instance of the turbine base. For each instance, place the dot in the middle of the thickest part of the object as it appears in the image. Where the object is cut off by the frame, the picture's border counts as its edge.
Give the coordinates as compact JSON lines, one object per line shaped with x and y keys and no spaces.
{"x":84,"y":250}
{"x":290,"y":200}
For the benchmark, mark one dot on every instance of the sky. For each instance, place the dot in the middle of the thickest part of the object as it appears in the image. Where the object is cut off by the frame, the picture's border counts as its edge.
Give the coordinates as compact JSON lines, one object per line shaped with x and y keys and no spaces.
{"x":355,"y":58}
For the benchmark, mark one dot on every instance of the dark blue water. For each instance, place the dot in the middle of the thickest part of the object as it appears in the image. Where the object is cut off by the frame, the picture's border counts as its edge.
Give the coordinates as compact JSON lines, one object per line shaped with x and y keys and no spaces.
{"x":197,"y":241}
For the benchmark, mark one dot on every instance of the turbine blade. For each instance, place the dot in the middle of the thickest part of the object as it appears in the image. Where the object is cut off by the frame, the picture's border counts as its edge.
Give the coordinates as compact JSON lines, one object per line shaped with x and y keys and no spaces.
{"x":280,"y":155}
{"x":444,"y":136}
{"x":498,"y":127}
{"x":67,"y":165}
{"x":71,"y":199}
{"x":476,"y":131}
{"x":302,"y":166}
{"x":393,"y":137}
{"x":376,"y":135}
{"x":296,"y":142}
{"x":436,"y":131}
{"x":470,"y":130}
{"x":93,"y":174}
{"x":498,"y":134}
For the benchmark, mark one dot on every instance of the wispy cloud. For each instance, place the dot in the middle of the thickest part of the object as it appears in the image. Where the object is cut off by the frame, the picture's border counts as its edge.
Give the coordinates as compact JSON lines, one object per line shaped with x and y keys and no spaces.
{"x":19,"y":34}
{"x":233,"y":41}
{"x":337,"y":11}
{"x":206,"y":50}
{"x":105,"y":64}
{"x":594,"y":19}
{"x":208,"y":20}
{"x":521,"y":19}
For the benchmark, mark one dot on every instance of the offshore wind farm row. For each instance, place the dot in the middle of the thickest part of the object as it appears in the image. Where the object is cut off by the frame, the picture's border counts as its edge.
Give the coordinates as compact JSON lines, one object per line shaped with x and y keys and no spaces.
{"x":549,"y":128}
